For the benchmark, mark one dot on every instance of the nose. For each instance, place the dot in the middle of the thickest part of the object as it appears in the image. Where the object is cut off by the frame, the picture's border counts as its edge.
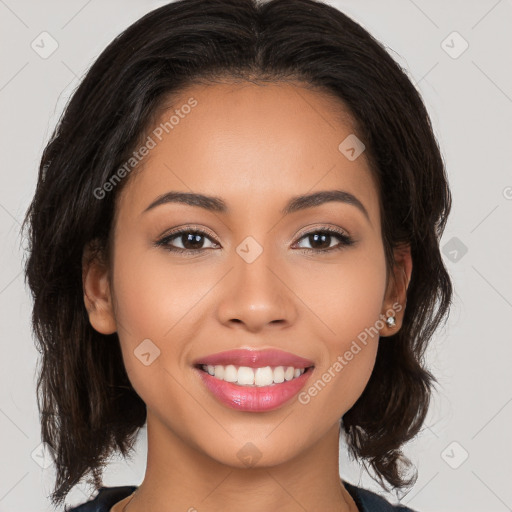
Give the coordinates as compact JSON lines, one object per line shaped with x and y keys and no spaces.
{"x":256,"y":296}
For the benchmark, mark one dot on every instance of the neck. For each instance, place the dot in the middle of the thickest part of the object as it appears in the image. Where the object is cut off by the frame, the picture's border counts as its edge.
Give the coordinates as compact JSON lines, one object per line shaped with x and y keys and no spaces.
{"x":179,"y":477}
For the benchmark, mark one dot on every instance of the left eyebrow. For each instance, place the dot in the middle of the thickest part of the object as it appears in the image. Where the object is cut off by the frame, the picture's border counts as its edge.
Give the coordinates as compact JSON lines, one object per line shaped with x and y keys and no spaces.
{"x":295,"y":204}
{"x":317,"y":198}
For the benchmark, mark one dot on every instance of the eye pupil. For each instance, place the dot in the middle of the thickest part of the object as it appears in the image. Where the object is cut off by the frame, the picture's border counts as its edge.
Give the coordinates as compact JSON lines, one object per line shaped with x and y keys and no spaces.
{"x":193,"y":239}
{"x":320,"y":236}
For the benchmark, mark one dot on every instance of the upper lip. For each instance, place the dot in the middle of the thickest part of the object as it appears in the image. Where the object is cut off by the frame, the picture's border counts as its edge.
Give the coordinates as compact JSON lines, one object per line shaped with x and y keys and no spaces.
{"x":255,"y":358}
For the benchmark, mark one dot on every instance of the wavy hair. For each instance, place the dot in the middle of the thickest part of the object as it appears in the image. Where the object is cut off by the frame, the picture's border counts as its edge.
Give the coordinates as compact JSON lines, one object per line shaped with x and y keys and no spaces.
{"x":88,"y":408}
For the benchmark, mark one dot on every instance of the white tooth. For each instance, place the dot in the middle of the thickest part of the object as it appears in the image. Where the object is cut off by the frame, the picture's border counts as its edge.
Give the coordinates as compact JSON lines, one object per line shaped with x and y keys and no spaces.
{"x":230,"y":373}
{"x":288,"y":374}
{"x":245,"y":375}
{"x":279,"y":374}
{"x":219,"y":371}
{"x":264,"y":376}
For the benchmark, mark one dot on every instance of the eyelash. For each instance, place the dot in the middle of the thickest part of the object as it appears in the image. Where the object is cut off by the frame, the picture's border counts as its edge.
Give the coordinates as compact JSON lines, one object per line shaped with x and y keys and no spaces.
{"x":345,"y":240}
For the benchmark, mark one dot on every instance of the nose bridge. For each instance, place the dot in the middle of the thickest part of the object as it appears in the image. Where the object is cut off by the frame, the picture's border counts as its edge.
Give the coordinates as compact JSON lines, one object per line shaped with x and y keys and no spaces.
{"x":254,"y":294}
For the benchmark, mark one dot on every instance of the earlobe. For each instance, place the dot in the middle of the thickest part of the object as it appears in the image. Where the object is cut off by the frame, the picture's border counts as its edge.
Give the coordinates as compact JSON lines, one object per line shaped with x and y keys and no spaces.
{"x":396,"y":293}
{"x":97,"y":293}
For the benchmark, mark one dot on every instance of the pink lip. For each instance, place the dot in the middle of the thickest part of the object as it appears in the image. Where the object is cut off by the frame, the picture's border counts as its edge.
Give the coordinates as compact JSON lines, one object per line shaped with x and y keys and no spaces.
{"x":255,"y":359}
{"x":254,"y":399}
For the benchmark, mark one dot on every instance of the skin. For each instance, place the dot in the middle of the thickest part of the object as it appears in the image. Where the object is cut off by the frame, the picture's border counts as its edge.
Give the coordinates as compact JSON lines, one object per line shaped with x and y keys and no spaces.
{"x":254,"y":146}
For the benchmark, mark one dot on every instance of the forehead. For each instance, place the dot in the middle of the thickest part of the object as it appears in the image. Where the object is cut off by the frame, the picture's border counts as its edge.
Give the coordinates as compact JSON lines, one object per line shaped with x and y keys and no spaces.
{"x":253,"y":145}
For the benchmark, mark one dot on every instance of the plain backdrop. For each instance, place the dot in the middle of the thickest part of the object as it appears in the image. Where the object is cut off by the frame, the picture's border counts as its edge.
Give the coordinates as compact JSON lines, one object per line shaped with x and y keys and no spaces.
{"x":457,"y":53}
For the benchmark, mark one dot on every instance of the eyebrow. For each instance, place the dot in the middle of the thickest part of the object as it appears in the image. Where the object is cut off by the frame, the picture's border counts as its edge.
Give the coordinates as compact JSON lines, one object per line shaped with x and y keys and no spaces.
{"x":295,"y":204}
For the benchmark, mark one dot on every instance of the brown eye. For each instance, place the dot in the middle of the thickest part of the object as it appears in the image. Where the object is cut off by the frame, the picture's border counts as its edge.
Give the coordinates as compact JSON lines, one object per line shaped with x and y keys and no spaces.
{"x":192,"y":241}
{"x":321,"y":240}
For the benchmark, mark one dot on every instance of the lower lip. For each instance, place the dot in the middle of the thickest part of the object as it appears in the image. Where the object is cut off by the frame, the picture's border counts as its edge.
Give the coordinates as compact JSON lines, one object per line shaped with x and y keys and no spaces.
{"x":254,"y":399}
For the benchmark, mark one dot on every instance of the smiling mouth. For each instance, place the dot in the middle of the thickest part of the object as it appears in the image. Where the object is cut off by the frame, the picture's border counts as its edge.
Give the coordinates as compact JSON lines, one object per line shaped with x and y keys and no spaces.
{"x":246,"y":376}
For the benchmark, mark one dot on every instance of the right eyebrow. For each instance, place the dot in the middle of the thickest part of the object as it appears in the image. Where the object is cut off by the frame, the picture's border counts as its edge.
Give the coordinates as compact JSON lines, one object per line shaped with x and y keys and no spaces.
{"x":214,"y":204}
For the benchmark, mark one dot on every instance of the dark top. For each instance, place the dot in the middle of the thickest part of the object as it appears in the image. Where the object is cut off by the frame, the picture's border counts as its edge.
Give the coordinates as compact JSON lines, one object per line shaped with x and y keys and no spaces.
{"x":366,"y":501}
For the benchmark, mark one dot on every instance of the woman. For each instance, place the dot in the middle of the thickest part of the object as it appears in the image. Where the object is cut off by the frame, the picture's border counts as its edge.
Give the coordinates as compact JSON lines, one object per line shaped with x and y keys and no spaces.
{"x":235,"y":238}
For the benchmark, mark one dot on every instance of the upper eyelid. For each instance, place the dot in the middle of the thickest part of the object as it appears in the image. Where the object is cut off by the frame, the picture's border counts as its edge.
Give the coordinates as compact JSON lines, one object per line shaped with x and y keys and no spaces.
{"x":323,"y":227}
{"x":187,"y":229}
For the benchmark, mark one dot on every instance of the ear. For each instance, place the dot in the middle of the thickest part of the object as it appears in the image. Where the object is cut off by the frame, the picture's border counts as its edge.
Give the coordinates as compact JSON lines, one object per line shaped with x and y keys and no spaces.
{"x":97,"y":293}
{"x":396,"y":291}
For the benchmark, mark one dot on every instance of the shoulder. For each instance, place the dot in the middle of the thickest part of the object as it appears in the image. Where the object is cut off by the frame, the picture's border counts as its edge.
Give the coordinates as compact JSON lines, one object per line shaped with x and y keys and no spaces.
{"x":368,"y":501}
{"x":106,"y":498}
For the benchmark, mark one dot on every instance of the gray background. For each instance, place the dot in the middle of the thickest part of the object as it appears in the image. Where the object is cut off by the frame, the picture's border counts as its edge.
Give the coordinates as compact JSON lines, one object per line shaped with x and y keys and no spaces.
{"x":469,"y":97}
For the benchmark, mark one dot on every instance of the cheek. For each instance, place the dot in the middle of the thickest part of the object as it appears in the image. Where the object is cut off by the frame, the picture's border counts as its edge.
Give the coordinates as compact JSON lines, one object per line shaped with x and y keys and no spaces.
{"x":141,"y":301}
{"x":150,"y":314}
{"x":347,"y":300}
{"x":358,"y":321}
{"x":159,"y":301}
{"x":152,"y":295}
{"x":346,"y":297}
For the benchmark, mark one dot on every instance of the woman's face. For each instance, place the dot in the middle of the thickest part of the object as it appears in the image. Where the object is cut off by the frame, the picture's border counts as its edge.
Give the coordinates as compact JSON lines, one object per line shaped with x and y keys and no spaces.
{"x":257,"y":277}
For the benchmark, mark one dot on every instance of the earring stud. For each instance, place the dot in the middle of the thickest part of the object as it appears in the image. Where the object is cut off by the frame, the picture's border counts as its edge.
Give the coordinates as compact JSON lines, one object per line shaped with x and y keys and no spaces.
{"x":390,"y":320}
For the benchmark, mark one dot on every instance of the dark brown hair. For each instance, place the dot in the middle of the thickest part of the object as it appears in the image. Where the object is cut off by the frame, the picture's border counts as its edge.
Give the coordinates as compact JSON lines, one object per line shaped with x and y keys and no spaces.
{"x":87,"y":405}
